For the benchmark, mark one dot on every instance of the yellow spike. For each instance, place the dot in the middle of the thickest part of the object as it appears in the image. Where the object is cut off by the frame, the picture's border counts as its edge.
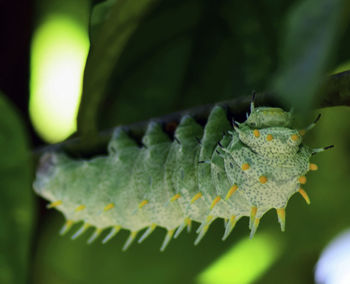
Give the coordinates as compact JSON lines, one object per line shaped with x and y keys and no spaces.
{"x":81,"y":231}
{"x":245,"y":166}
{"x":129,"y":241}
{"x":111,"y":234}
{"x":54,"y":204}
{"x":196,"y":197}
{"x":304,"y":195}
{"x":209,"y":218}
{"x":142,"y":203}
{"x":302,"y":132}
{"x":201,"y":234}
{"x":281,"y":214}
{"x":149,"y":231}
{"x":215,"y":201}
{"x":254,"y":227}
{"x":295,"y":137}
{"x":66,"y":227}
{"x":263,"y":179}
{"x":313,"y":167}
{"x":229,"y":227}
{"x":231,"y":191}
{"x":80,"y":208}
{"x":95,"y":235}
{"x":256,"y":133}
{"x":167,"y":239}
{"x":302,"y":179}
{"x":189,"y":222}
{"x":109,"y":206}
{"x":269,"y":137}
{"x":176,"y":196}
{"x":252,"y":216}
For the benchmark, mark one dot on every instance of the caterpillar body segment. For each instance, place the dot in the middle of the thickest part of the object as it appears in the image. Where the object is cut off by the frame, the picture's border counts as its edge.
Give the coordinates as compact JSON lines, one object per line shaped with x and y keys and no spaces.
{"x":219,"y":171}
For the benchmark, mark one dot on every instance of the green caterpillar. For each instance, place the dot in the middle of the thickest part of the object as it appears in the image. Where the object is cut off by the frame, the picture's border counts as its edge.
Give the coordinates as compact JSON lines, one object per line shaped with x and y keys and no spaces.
{"x":219,"y":172}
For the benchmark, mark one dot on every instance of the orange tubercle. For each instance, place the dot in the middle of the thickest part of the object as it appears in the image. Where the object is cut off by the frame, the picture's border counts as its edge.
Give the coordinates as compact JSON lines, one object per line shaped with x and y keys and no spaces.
{"x":245,"y":166}
{"x":263,"y":179}
{"x":143,"y":203}
{"x":269,"y":137}
{"x":313,"y":167}
{"x":295,"y":137}
{"x":256,"y":133}
{"x":302,"y":180}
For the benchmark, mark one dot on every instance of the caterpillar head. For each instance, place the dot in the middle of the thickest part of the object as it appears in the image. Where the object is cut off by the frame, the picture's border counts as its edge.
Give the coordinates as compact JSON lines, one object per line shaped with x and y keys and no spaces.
{"x":261,"y":117}
{"x":267,"y":132}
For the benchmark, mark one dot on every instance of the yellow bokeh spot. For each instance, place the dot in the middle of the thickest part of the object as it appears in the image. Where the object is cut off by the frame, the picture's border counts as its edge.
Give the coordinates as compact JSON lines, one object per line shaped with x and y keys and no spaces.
{"x":58,"y":53}
{"x":245,"y":262}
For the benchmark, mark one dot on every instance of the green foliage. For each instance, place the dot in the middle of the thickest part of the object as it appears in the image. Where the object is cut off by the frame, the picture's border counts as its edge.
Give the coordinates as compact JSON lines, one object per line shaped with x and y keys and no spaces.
{"x":152,"y":57}
{"x":16,"y":210}
{"x":311,"y":39}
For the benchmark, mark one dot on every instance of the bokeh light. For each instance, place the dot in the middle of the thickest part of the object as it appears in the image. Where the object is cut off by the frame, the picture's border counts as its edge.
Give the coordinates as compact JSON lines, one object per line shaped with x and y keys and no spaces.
{"x":333,"y":266}
{"x":245,"y":262}
{"x":58,"y":53}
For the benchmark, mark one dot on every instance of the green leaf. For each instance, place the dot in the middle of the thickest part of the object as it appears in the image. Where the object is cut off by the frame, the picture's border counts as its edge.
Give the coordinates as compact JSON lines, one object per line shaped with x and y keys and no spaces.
{"x":312,"y":33}
{"x":16,"y":203}
{"x":107,"y":45}
{"x":188,"y":53}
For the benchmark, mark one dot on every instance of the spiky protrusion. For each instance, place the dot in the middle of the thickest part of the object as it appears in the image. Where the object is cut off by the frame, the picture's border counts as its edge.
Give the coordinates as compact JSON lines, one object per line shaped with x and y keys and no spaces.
{"x":94,"y":236}
{"x":81,"y":231}
{"x":115,"y":230}
{"x":149,"y":231}
{"x":167,"y":239}
{"x":229,"y":227}
{"x":130,"y":240}
{"x":281,"y":214}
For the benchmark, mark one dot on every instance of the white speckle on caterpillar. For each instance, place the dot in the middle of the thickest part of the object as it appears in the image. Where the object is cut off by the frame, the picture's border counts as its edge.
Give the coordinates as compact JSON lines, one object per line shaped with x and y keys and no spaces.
{"x":201,"y":175}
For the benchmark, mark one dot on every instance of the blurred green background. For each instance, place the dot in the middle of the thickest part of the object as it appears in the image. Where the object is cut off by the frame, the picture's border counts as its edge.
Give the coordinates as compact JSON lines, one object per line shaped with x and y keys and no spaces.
{"x":148,"y":58}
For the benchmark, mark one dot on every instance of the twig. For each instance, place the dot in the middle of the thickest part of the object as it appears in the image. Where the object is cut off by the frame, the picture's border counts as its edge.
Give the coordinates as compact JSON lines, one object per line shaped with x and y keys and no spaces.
{"x":335,"y":92}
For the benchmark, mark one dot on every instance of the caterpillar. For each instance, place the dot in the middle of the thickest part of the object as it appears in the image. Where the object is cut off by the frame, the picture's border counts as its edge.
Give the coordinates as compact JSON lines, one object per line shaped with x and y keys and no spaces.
{"x":225,"y":170}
